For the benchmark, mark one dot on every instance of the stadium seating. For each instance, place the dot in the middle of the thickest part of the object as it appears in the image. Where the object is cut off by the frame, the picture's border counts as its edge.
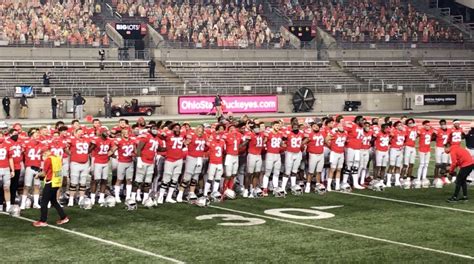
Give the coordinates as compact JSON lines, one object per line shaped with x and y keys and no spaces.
{"x":117,"y":78}
{"x":454,"y":71}
{"x":263,"y":77}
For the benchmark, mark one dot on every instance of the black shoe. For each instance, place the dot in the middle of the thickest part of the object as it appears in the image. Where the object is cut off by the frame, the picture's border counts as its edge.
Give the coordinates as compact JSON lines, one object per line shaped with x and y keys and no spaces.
{"x":452,"y":200}
{"x":464,"y":199}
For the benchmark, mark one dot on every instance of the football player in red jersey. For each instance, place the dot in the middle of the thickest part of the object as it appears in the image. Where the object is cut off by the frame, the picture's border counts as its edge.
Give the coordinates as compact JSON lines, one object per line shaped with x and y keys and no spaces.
{"x":382,"y":141}
{"x":326,"y":129}
{"x":273,"y":142}
{"x":367,"y":142}
{"x":254,"y":140}
{"x":355,"y":132}
{"x":125,"y":147}
{"x":174,"y":162}
{"x":78,"y":149}
{"x":336,"y":140}
{"x":457,"y":134}
{"x":397,"y":143}
{"x":409,"y":153}
{"x":6,"y":169}
{"x":15,"y":152}
{"x":101,"y":152}
{"x":424,"y":148}
{"x":293,"y":156}
{"x":147,"y":148}
{"x":196,"y":142}
{"x":442,"y":159}
{"x":314,"y":142}
{"x":33,"y":164}
{"x":232,"y":139}
{"x":214,"y":174}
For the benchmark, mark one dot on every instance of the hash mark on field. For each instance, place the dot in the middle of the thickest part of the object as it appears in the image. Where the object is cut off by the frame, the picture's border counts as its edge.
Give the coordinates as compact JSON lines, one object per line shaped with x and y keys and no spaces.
{"x":408,"y":202}
{"x":104,"y":241}
{"x":347,"y":233}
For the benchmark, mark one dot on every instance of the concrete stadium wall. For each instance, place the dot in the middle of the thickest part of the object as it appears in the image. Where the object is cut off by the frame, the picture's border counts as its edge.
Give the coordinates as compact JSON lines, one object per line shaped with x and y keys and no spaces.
{"x":381,"y":54}
{"x":40,"y":107}
{"x":56,"y":53}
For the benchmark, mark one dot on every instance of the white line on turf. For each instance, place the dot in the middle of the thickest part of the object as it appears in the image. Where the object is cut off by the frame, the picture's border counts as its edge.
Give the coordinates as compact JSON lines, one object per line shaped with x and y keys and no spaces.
{"x":347,"y":233}
{"x":408,"y":202}
{"x":104,"y":241}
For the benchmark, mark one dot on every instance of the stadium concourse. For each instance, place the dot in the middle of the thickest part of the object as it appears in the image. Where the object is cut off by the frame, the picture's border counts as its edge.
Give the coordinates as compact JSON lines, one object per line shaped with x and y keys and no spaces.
{"x":358,"y":224}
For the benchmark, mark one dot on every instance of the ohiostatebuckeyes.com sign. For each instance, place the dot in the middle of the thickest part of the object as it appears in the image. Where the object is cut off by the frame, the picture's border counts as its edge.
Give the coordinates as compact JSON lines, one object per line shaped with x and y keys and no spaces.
{"x":435,"y":99}
{"x":234,"y":104}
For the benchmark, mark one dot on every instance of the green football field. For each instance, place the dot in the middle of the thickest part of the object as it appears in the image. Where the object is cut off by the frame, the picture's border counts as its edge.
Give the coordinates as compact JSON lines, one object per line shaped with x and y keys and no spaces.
{"x":405,"y":226}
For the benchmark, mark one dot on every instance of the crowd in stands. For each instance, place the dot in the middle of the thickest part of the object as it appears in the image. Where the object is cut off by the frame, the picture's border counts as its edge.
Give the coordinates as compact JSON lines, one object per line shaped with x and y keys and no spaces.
{"x":370,"y":20}
{"x":221,"y":23}
{"x":55,"y":22}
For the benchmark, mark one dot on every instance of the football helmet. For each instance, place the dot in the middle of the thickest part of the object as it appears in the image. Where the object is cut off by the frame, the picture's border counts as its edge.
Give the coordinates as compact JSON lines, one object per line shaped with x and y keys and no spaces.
{"x":416,"y":184}
{"x":406,"y":184}
{"x":279,"y":192}
{"x":216,"y":196}
{"x":377,"y":185}
{"x":229,"y":194}
{"x":438,"y":183}
{"x":320,"y":189}
{"x":110,"y":201}
{"x":202,"y":202}
{"x":345,"y":187}
{"x":86,"y":204}
{"x":425,"y":183}
{"x":257,"y":193}
{"x":149,"y":203}
{"x":14,"y":210}
{"x":192,"y":197}
{"x":131,"y":205}
{"x":296,"y":190}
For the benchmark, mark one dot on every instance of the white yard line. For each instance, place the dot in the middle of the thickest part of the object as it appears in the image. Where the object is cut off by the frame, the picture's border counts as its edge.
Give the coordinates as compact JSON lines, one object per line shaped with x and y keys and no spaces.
{"x":105,"y":241}
{"x":347,"y":233}
{"x":408,"y":202}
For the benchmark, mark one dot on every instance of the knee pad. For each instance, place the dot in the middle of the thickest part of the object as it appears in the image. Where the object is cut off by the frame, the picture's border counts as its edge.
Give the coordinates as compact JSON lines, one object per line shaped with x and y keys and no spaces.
{"x":173,"y":184}
{"x":146,"y":185}
{"x":72,"y":188}
{"x":103,"y":182}
{"x":184,"y":184}
{"x":136,"y":184}
{"x":354,"y":169}
{"x":82,"y":188}
{"x":193,"y":182}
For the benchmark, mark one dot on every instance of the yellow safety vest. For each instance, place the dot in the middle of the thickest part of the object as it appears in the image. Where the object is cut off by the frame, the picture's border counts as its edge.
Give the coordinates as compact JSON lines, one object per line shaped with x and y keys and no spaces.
{"x":56,"y":164}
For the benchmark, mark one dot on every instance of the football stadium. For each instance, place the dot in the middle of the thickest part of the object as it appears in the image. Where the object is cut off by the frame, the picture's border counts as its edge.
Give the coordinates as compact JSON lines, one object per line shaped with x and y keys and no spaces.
{"x":218,"y":131}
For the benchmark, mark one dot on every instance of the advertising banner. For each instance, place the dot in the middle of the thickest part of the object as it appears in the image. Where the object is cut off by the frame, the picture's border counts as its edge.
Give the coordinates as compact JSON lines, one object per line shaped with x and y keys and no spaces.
{"x":234,"y":104}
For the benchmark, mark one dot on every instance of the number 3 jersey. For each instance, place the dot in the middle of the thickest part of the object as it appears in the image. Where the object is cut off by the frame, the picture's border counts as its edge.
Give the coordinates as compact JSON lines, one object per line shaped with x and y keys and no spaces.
{"x":216,"y":151}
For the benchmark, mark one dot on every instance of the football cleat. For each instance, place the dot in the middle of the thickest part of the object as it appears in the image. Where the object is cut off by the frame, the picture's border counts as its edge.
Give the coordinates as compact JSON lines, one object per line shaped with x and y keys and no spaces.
{"x":192,"y":196}
{"x":307,"y":189}
{"x":202,"y":202}
{"x":216,"y":196}
{"x":296,"y":190}
{"x":258,"y":193}
{"x":245,"y":194}
{"x":131,"y":204}
{"x":40,"y":224}
{"x":229,"y":194}
{"x":86,"y":204}
{"x":14,"y":211}
{"x":37,"y":206}
{"x":438,"y":183}
{"x":149,"y":203}
{"x":28,"y":203}
{"x":170,"y":200}
{"x":425,"y":183}
{"x":110,"y":201}
{"x":278,"y":192}
{"x":346,"y":188}
{"x":416,"y":184}
{"x":320,"y":189}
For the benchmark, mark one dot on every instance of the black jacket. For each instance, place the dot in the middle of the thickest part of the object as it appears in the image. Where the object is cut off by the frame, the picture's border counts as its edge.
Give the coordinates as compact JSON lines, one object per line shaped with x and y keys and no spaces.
{"x":470,"y":139}
{"x":6,"y":101}
{"x":79,"y":100}
{"x":54,"y":102}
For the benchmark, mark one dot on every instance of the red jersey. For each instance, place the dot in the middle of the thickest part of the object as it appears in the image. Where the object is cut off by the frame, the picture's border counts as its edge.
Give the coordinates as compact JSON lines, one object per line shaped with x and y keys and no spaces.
{"x":148,"y":151}
{"x":216,"y":151}
{"x":4,"y":155}
{"x":15,"y":151}
{"x":255,"y":143}
{"x":101,"y":150}
{"x":424,"y":144}
{"x":294,"y":141}
{"x":411,"y":135}
{"x":382,"y":142}
{"x":398,"y":139}
{"x":33,"y":153}
{"x":442,"y":137}
{"x":367,"y":140}
{"x":79,"y":148}
{"x":126,"y":149}
{"x":338,"y":141}
{"x":460,"y":157}
{"x":232,"y":142}
{"x":354,"y":136}
{"x":174,"y":146}
{"x":57,"y":147}
{"x":197,"y":145}
{"x":316,"y":142}
{"x":375,"y":130}
{"x":456,"y":136}
{"x":273,"y":144}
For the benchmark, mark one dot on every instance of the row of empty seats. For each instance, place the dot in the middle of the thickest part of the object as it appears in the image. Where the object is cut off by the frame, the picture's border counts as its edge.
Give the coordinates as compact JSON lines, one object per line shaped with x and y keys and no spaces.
{"x":454,"y":71}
